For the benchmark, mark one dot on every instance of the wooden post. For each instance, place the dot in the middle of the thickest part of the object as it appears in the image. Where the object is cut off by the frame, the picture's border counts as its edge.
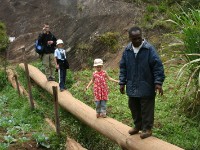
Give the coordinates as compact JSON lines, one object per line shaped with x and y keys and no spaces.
{"x":28,"y":79}
{"x":5,"y":62}
{"x":17,"y":84}
{"x":55,"y":95}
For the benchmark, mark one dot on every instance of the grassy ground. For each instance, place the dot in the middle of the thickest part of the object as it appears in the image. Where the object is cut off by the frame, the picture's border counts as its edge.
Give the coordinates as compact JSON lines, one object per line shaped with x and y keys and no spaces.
{"x":21,"y":128}
{"x":171,"y":124}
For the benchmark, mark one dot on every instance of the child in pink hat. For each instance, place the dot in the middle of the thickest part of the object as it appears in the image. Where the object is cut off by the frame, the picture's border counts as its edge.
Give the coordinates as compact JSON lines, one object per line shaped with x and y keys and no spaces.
{"x":100,"y":89}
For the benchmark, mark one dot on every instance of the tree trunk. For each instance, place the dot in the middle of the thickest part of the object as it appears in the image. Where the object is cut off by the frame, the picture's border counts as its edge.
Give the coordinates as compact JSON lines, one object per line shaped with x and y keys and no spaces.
{"x":113,"y":129}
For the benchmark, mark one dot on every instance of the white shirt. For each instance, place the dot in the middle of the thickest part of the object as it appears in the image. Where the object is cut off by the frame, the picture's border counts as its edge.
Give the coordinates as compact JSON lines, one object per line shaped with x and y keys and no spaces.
{"x":60,"y":54}
{"x":136,"y":49}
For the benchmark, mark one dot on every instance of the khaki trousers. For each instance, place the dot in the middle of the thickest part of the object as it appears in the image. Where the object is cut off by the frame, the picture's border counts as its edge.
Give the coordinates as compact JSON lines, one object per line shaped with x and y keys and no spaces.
{"x":49,"y":65}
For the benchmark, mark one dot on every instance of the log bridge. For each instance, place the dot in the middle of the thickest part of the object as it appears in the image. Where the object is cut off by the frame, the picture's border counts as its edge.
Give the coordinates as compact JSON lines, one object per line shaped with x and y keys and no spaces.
{"x":112,"y":129}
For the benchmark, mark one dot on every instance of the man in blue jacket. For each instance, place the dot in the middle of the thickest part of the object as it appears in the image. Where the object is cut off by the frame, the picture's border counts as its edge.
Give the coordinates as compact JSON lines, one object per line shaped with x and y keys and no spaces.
{"x":141,"y":70}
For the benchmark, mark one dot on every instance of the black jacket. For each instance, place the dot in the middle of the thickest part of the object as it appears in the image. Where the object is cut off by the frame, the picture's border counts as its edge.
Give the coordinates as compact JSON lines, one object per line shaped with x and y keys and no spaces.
{"x":43,"y":38}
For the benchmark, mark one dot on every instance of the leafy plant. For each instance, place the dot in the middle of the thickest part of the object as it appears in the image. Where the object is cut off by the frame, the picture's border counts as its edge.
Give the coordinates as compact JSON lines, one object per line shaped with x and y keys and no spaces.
{"x":23,"y":139}
{"x":189,"y":25}
{"x":110,"y":41}
{"x":9,"y":139}
{"x":4,"y":146}
{"x":41,"y":139}
{"x":83,"y":51}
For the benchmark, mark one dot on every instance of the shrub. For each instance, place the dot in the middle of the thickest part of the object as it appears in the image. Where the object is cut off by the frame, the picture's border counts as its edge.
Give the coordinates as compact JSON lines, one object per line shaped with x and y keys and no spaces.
{"x":109,"y":40}
{"x":83,"y":51}
{"x":3,"y":80}
{"x":3,"y":37}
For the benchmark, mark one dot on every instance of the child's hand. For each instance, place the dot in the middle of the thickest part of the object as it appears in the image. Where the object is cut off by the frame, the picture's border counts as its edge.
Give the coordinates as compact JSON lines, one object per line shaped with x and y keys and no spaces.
{"x":57,"y":66}
{"x":86,"y":88}
{"x":49,"y":42}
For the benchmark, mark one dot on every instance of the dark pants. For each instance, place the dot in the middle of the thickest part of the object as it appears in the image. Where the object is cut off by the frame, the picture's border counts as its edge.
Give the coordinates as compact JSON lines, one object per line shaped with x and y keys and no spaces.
{"x":62,"y":77}
{"x":142,"y":110}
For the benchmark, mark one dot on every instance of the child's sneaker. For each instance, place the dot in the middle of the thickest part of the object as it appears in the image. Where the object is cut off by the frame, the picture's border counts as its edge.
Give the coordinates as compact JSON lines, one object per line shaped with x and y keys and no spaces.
{"x":103,"y":115}
{"x":98,"y":115}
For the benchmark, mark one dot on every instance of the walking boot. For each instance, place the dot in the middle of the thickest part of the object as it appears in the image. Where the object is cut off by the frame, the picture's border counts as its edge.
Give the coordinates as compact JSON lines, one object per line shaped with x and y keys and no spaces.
{"x":133,"y":131}
{"x":145,"y":134}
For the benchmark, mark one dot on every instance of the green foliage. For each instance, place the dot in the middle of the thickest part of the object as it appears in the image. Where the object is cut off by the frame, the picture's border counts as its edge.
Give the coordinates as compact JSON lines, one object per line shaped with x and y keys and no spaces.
{"x":110,"y":40}
{"x":19,"y":121}
{"x":171,"y":124}
{"x":23,"y":120}
{"x":41,"y":139}
{"x":151,"y":8}
{"x":3,"y":80}
{"x":83,"y":52}
{"x":155,"y":15}
{"x":167,"y":108}
{"x":189,"y":26}
{"x":3,"y":37}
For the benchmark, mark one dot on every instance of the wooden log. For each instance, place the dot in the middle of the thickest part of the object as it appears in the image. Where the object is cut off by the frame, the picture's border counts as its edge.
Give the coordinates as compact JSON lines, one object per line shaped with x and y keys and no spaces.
{"x":113,"y":129}
{"x":73,"y":145}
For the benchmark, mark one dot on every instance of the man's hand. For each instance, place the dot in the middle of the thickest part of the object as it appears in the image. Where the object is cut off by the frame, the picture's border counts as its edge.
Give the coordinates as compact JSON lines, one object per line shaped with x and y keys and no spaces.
{"x":50,"y":42}
{"x":44,"y":30}
{"x":159,"y":89}
{"x":122,"y":89}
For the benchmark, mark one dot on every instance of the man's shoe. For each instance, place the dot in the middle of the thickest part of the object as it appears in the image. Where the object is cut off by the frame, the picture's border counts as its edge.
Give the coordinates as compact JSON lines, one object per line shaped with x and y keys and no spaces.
{"x":145,"y":134}
{"x":133,"y":131}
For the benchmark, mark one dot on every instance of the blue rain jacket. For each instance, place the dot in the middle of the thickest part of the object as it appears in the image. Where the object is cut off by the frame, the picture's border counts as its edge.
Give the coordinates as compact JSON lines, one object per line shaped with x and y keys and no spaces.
{"x":141,"y":73}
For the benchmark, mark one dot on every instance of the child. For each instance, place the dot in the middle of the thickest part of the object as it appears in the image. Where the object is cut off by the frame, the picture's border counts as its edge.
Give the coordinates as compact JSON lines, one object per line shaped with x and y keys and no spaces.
{"x":61,"y":63}
{"x":100,"y":87}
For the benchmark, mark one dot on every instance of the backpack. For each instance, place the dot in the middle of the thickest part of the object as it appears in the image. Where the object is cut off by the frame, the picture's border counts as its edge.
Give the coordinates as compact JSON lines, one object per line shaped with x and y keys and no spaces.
{"x":38,"y":47}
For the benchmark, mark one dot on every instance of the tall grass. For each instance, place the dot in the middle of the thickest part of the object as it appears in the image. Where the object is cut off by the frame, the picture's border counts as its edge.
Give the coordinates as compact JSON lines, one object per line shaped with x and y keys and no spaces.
{"x":189,"y":27}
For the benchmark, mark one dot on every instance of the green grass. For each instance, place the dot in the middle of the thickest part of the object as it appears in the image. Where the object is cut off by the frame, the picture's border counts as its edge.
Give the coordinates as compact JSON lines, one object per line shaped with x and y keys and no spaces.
{"x":18,"y":121}
{"x":70,"y":126}
{"x":20,"y":125}
{"x":171,"y":124}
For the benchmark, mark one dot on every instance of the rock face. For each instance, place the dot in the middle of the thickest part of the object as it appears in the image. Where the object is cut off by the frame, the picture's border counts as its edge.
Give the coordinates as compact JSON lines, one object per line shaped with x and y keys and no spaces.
{"x":74,"y":21}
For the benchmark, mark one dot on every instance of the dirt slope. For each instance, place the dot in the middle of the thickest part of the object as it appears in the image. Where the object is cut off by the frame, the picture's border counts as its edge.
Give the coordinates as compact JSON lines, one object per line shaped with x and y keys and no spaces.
{"x":74,"y":21}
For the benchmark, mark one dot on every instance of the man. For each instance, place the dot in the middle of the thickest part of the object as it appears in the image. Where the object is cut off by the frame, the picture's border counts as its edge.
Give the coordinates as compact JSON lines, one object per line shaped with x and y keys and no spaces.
{"x":48,"y":40}
{"x":141,"y":70}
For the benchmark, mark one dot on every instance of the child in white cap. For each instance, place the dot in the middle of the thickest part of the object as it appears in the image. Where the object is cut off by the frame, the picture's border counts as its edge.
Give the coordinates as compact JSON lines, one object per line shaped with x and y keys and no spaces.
{"x":61,"y":63}
{"x":100,"y":88}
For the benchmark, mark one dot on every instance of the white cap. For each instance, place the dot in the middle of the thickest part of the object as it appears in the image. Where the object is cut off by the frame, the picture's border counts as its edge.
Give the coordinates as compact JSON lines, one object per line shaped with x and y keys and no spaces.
{"x":59,"y":41}
{"x":98,"y":62}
